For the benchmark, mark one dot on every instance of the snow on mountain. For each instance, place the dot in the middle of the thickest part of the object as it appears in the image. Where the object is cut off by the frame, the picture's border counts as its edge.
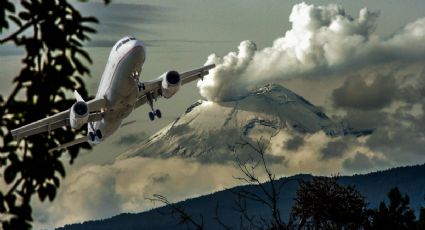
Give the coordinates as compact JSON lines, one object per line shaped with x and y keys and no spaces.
{"x":207,"y":130}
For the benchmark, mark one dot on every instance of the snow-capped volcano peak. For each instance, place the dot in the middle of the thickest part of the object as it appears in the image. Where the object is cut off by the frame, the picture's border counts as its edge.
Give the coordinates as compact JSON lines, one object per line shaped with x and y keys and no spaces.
{"x":207,"y":129}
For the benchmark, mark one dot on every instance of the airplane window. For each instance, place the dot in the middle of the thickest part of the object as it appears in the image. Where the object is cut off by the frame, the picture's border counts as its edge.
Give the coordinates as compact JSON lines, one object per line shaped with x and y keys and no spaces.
{"x":126,"y":40}
{"x":118,"y":46}
{"x":123,"y":42}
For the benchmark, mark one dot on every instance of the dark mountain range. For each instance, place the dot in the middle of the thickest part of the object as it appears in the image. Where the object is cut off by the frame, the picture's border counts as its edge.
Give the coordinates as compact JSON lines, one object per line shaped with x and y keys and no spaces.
{"x":374,"y":186}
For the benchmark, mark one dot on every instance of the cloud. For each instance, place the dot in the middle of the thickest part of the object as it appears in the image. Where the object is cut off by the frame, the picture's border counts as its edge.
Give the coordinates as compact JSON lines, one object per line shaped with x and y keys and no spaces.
{"x":356,"y":93}
{"x":131,"y":138}
{"x":322,"y":40}
{"x":362,"y":161}
{"x":334,"y":149}
{"x":294,"y":143}
{"x":100,"y":191}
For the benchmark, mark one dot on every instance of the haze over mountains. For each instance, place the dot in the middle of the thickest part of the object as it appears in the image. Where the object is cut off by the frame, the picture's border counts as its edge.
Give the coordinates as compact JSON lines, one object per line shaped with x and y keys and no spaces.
{"x":374,"y":186}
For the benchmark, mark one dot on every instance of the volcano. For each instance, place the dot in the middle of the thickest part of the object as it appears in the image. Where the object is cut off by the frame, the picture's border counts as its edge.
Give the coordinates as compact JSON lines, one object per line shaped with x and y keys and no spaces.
{"x":207,"y":130}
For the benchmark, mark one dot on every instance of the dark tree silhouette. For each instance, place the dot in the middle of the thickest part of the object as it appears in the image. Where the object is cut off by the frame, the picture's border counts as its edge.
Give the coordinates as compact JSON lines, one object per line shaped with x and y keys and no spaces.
{"x":323,"y":203}
{"x":397,"y":215}
{"x":421,"y":221}
{"x":270,"y":189}
{"x":52,"y":33}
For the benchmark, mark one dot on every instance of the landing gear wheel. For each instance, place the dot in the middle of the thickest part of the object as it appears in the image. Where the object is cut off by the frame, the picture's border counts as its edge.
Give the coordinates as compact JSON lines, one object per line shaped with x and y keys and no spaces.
{"x":158,"y":113}
{"x":92,"y":136}
{"x":151,"y":116}
{"x":99,"y":134}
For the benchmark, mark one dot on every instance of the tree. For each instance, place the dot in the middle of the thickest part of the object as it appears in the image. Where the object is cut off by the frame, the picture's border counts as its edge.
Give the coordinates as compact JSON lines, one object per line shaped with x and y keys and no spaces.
{"x":421,"y":221}
{"x":323,"y":203}
{"x":52,"y":33}
{"x":270,"y":189}
{"x":397,"y":215}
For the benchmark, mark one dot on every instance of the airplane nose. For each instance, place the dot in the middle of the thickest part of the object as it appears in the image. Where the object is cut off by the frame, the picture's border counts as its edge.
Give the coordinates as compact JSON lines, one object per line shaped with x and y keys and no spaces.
{"x":142,"y":50}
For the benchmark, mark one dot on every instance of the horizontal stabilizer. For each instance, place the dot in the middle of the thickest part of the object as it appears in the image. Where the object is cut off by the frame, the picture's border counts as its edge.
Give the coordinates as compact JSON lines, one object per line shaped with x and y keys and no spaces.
{"x":71,"y":143}
{"x":127,"y":123}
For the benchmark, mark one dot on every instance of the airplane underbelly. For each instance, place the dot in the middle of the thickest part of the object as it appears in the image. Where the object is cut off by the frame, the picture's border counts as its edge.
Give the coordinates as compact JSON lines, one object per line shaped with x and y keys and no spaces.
{"x":112,"y":121}
{"x":122,"y":94}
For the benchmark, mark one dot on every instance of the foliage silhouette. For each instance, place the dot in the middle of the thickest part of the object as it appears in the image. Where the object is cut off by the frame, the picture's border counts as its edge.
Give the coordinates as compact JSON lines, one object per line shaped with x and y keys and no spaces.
{"x":323,"y":203}
{"x":396,"y":215}
{"x":52,"y":33}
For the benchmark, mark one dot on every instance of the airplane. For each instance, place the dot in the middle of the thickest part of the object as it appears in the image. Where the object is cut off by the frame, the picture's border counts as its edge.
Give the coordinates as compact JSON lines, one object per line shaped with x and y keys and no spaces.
{"x":120,"y":92}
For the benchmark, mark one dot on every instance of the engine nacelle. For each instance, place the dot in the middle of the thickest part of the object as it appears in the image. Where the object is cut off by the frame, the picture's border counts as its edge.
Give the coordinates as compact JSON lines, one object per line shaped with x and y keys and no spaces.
{"x":79,"y":114}
{"x":170,"y":83}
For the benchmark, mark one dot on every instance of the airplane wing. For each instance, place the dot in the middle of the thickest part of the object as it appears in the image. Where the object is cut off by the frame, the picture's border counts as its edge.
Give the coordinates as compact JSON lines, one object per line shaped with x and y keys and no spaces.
{"x":195,"y":74}
{"x":58,"y":120}
{"x":154,"y":85}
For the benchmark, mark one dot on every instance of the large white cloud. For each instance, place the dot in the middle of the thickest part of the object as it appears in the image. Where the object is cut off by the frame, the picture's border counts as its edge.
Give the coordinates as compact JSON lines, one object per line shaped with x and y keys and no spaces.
{"x":322,"y":40}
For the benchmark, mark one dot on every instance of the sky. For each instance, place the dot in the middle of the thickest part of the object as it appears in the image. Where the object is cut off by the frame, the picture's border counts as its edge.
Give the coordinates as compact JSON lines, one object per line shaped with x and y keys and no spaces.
{"x":363,"y":66}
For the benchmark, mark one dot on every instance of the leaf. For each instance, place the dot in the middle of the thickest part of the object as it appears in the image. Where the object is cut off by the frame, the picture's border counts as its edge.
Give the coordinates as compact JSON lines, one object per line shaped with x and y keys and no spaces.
{"x":90,"y":19}
{"x":24,"y":15}
{"x":26,"y":5}
{"x":15,"y":20}
{"x":56,"y":181}
{"x":9,"y":6}
{"x":10,"y":173}
{"x":42,"y":193}
{"x":51,"y":191}
{"x":88,"y":29}
{"x":60,"y":169}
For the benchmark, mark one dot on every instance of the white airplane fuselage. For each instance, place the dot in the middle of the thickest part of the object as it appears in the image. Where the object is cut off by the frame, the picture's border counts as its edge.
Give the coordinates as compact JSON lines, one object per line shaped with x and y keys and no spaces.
{"x":119,"y":85}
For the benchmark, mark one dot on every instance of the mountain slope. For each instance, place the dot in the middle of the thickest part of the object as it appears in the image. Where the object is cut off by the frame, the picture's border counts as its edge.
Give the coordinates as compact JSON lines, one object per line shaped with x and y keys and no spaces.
{"x":374,"y":186}
{"x":207,"y":129}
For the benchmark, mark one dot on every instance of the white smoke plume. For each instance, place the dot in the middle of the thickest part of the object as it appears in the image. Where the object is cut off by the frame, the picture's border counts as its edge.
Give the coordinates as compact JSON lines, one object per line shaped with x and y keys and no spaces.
{"x":323,"y":39}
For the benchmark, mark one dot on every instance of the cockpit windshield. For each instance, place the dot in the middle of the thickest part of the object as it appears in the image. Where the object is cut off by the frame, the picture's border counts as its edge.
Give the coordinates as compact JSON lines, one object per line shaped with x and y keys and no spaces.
{"x":124,"y":41}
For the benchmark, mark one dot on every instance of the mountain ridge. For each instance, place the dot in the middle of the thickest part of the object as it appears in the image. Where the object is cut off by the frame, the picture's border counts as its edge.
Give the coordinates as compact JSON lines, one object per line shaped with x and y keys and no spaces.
{"x":375,"y":185}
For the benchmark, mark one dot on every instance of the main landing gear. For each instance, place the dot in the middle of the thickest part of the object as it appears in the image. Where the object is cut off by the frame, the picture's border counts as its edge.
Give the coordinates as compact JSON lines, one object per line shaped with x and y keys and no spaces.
{"x":93,"y":135}
{"x":154,"y":112}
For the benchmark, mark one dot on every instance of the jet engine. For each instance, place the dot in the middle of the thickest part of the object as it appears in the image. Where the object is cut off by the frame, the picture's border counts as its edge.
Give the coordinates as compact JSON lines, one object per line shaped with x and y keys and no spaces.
{"x":170,"y":83}
{"x":79,"y":114}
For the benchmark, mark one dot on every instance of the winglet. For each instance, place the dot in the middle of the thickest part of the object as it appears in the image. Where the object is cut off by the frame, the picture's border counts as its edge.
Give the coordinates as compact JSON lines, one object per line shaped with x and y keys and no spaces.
{"x":78,"y":96}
